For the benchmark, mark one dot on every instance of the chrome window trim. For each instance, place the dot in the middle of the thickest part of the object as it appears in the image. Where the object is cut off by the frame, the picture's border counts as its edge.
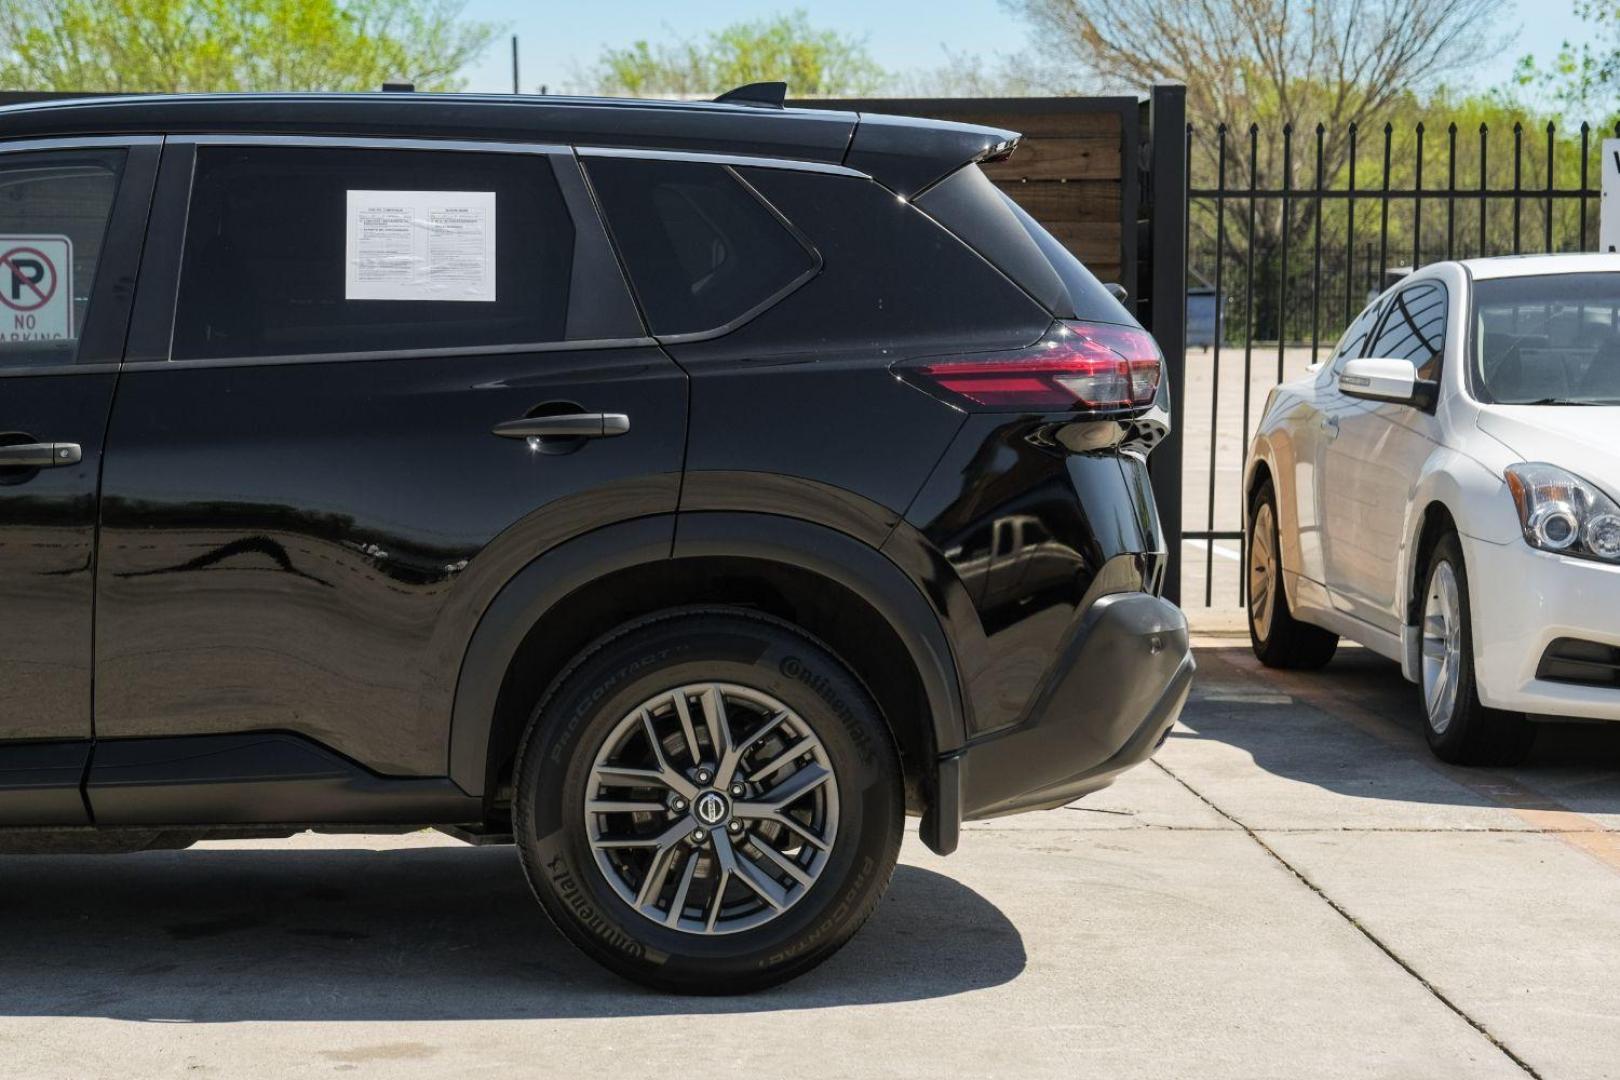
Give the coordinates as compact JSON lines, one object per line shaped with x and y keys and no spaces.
{"x":372,"y":142}
{"x":381,"y":355}
{"x":77,"y":142}
{"x":734,"y":160}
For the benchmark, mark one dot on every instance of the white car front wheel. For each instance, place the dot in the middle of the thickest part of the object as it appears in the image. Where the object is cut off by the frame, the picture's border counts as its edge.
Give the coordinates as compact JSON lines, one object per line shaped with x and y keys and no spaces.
{"x":1460,"y":728}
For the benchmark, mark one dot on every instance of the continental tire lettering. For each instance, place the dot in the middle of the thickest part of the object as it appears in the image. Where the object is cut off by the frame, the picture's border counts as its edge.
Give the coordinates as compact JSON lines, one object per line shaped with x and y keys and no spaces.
{"x":834,"y":918}
{"x":570,"y":892}
{"x":797,"y":670}
{"x":587,"y":708}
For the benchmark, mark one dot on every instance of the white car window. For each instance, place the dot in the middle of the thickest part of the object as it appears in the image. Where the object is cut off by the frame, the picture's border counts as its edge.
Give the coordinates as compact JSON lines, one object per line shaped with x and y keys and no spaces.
{"x":1415,"y":328}
{"x":1353,"y":339}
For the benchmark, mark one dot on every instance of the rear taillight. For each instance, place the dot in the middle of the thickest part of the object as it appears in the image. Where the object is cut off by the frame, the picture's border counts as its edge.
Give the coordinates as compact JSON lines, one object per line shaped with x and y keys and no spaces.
{"x":1089,"y":367}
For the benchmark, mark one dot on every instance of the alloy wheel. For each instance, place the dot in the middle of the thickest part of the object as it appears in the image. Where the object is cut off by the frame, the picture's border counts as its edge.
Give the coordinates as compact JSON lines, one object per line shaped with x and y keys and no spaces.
{"x":1442,"y":647}
{"x":1263,"y":576}
{"x":712,"y":808}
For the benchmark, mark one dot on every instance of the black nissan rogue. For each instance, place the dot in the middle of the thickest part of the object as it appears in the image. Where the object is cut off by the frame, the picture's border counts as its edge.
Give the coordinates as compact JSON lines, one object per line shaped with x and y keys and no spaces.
{"x":684,"y":492}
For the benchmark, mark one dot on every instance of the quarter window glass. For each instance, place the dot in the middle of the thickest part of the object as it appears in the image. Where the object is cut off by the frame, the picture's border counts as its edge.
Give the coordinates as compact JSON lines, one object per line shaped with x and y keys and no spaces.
{"x":1415,"y":329}
{"x":701,"y":248}
{"x":273,"y":231}
{"x":54,"y":209}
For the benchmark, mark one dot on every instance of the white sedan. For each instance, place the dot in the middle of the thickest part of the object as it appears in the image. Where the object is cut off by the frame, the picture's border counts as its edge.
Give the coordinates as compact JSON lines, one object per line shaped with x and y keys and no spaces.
{"x":1443,"y":489}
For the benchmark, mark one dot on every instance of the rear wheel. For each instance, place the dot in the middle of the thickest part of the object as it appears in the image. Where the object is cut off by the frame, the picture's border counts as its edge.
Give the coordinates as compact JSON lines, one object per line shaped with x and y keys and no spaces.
{"x":709,"y":802}
{"x":1459,"y":727}
{"x":1279,"y":639}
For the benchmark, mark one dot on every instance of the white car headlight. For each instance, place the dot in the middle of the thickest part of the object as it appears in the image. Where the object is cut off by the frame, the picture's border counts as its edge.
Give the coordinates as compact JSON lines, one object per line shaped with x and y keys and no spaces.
{"x":1561,"y":512}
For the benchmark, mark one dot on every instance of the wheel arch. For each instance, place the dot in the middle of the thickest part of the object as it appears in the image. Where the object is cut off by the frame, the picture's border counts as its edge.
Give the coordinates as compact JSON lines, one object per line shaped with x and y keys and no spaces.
{"x":836,"y":588}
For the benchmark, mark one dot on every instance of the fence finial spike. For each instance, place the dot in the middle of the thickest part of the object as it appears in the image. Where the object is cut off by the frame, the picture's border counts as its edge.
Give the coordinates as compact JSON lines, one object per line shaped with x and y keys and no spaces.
{"x":1420,"y":127}
{"x":1551,"y":127}
{"x":1321,"y":128}
{"x":1389,"y":127}
{"x":1452,"y":129}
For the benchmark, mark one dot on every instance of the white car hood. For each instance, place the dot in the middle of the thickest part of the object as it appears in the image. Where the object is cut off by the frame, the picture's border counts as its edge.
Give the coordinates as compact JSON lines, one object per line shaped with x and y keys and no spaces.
{"x":1584,"y":439}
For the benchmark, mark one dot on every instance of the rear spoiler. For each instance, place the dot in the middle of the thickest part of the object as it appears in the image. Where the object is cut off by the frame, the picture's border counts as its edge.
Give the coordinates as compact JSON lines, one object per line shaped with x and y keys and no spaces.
{"x":910,"y":155}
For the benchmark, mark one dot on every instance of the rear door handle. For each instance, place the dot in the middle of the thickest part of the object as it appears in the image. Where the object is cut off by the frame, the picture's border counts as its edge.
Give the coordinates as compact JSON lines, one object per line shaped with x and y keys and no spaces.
{"x":565,"y":426}
{"x":39,"y":455}
{"x":1330,"y":424}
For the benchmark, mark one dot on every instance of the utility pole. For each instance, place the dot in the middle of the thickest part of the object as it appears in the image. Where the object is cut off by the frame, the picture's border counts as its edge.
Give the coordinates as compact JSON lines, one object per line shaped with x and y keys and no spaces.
{"x":517,"y":85}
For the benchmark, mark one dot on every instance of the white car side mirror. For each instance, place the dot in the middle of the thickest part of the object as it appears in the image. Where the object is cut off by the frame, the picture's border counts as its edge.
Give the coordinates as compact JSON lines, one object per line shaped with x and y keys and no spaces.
{"x":1380,"y":379}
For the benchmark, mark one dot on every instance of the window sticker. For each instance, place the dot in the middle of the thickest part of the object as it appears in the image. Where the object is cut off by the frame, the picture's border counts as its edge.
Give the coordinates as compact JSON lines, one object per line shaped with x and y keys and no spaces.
{"x":36,"y":288}
{"x":420,"y":245}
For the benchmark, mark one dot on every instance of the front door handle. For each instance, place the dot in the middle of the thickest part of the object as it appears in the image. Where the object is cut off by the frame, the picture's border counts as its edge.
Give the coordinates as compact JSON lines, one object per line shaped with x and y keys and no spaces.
{"x":39,"y":455}
{"x":565,"y":426}
{"x":1330,"y":424}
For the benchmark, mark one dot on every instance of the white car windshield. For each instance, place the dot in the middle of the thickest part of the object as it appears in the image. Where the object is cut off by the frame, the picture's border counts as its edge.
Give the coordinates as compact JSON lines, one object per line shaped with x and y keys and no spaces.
{"x":1552,"y":339}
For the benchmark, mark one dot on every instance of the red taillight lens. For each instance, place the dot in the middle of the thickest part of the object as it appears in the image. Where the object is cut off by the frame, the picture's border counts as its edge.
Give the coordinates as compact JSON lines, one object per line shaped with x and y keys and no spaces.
{"x":1094,"y":367}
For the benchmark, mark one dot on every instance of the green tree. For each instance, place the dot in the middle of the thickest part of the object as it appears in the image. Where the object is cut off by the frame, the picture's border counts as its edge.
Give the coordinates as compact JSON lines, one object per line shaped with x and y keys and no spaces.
{"x":194,"y":45}
{"x":813,"y":62}
{"x":1582,"y":78}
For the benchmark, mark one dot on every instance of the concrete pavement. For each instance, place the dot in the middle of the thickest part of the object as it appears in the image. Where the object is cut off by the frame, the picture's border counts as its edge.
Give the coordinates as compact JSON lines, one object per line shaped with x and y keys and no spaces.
{"x":1292,"y":889}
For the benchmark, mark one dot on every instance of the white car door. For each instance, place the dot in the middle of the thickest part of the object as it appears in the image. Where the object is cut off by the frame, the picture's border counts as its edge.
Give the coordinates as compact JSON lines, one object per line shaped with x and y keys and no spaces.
{"x":1311,"y":429}
{"x":1369,"y":461}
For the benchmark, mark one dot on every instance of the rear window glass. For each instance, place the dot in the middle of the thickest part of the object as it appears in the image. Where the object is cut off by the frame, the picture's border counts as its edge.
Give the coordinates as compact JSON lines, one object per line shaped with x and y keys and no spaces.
{"x":300,"y":250}
{"x":990,"y":221}
{"x":702,"y":249}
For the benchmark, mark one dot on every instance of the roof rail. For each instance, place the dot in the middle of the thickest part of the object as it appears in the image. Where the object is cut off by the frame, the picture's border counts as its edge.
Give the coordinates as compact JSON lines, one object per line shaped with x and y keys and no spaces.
{"x":761,"y":95}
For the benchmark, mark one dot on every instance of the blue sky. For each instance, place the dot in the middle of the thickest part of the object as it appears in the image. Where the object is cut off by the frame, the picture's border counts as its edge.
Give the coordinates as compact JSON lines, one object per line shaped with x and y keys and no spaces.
{"x":900,"y":33}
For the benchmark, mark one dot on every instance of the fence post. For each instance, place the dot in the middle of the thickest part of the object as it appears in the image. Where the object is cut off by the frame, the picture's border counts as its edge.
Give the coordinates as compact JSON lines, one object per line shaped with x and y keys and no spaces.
{"x":1167,"y":312}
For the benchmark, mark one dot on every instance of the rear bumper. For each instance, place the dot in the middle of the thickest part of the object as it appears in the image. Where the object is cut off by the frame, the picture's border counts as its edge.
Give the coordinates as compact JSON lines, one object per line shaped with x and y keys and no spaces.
{"x":1126,"y":670}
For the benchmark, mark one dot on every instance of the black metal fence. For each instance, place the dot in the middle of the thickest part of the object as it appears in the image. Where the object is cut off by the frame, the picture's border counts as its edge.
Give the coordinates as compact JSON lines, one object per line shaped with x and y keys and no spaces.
{"x":1296,"y":234}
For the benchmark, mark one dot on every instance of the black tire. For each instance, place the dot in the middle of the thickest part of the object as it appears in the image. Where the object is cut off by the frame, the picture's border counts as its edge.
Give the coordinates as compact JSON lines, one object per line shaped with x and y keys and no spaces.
{"x":654,"y":656}
{"x":1280,"y":640}
{"x":1472,"y":734}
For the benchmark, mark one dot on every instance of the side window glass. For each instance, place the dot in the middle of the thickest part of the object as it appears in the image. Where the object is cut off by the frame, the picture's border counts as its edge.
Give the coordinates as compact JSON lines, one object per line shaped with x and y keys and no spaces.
{"x":54,"y":210}
{"x":1414,"y":328}
{"x":307,"y":250}
{"x":1354,"y":338}
{"x":702,"y":249}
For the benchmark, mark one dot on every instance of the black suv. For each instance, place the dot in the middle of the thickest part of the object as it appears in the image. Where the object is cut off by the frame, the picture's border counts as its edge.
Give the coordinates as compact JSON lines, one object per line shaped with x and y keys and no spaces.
{"x":684,"y":491}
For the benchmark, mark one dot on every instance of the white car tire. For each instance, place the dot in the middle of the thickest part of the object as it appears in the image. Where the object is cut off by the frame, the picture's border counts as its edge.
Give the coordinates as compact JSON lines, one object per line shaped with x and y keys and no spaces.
{"x":1279,"y":639}
{"x":1460,"y":728}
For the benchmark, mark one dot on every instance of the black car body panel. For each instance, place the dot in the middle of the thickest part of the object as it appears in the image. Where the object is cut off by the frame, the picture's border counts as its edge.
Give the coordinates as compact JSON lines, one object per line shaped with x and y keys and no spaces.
{"x":298,"y":576}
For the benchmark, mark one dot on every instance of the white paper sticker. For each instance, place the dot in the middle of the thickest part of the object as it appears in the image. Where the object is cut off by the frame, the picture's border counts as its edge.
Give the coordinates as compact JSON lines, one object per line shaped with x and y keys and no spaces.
{"x":420,"y":245}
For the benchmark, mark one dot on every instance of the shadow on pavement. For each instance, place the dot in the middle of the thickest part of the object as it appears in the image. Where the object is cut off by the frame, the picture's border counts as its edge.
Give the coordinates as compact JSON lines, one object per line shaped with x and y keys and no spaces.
{"x":1356,"y":727}
{"x":219,"y":935}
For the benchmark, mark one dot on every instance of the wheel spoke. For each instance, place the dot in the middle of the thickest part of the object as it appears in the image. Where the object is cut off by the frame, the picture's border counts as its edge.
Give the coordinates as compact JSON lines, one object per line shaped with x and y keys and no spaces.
{"x":784,"y":759}
{"x":721,"y":880}
{"x":782,"y":862}
{"x":678,"y":904}
{"x":750,"y":875}
{"x":623,"y":806}
{"x":684,"y":711}
{"x":729,"y":762}
{"x":793,"y":788}
{"x":719,"y":725}
{"x":657,"y":872}
{"x":670,"y":776}
{"x":668,"y":838}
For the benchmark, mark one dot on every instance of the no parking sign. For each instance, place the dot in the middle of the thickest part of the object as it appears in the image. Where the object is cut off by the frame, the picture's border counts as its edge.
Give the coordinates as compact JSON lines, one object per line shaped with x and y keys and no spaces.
{"x":36,"y":288}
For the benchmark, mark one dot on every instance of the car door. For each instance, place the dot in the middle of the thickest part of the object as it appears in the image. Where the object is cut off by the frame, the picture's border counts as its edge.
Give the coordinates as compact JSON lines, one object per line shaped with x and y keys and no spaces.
{"x":308,"y":505}
{"x":1372,"y":453}
{"x":72,"y":213}
{"x":1310,"y":427}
